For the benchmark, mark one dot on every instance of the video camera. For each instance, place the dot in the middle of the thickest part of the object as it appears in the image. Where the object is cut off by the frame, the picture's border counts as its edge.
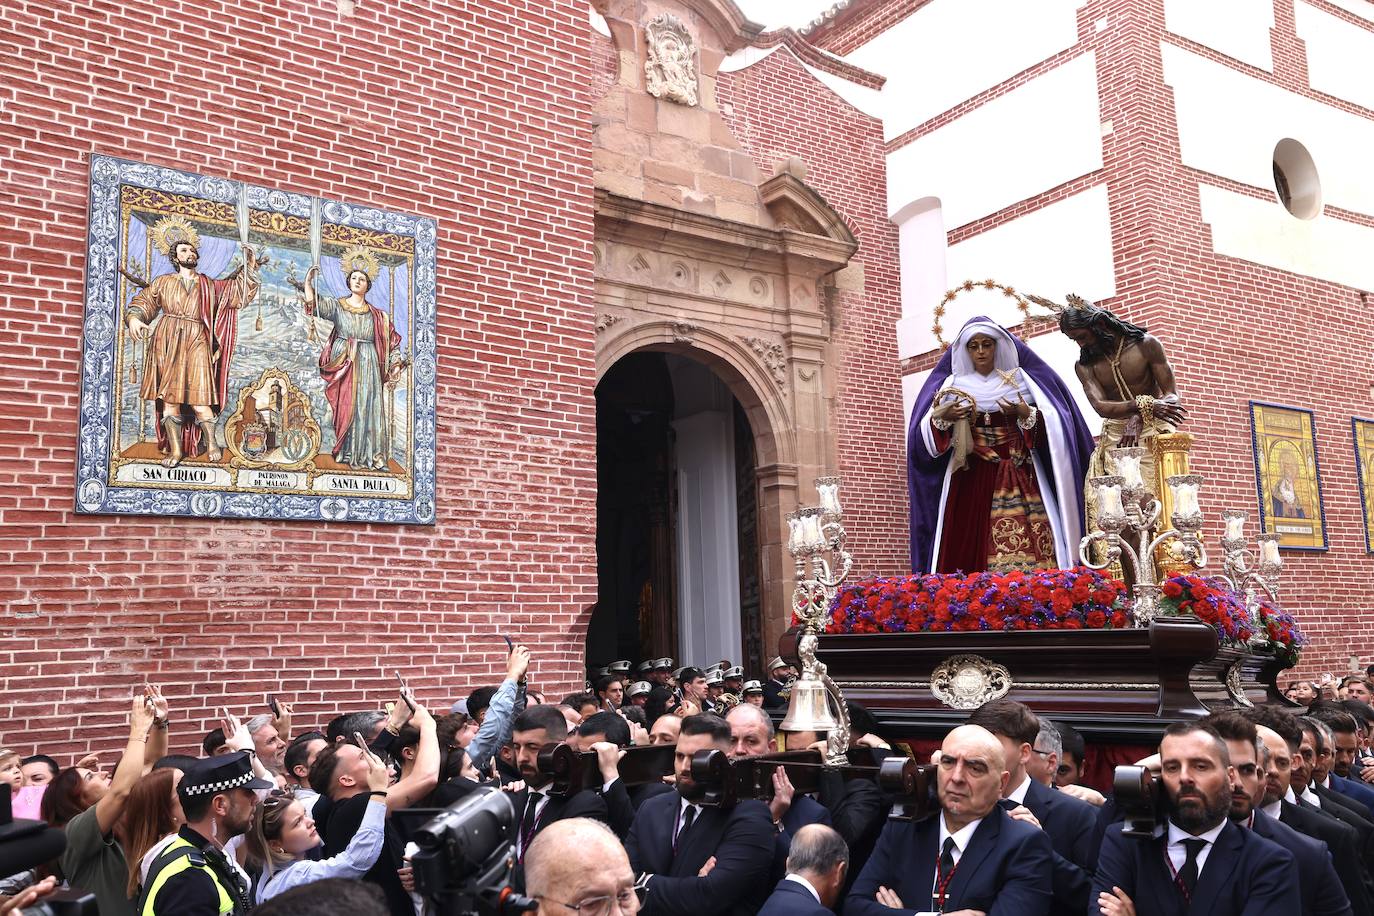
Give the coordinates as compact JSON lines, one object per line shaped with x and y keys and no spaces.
{"x":1140,"y":799}
{"x":27,"y":844}
{"x":719,"y":781}
{"x":465,"y":859}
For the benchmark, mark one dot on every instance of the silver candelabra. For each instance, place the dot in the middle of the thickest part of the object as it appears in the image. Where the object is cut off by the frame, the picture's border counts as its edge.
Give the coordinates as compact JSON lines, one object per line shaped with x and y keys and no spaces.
{"x":1127,"y":516}
{"x":1243,"y":577}
{"x":816,"y":540}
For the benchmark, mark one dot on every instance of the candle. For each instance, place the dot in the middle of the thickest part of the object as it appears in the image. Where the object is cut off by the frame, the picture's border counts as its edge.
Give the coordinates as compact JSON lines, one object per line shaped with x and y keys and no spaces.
{"x":1185,"y":499}
{"x":1128,"y":466}
{"x":1269,"y":552}
{"x":830,"y":497}
{"x":1109,"y":501}
{"x":1235,"y":526}
{"x":811,"y":531}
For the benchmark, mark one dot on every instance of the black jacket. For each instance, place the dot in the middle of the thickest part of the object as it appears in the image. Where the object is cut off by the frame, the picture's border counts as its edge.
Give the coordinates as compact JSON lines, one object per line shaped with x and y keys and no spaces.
{"x":1317,"y":880}
{"x":1004,"y":872}
{"x":791,"y":899}
{"x":1070,"y":825}
{"x":1244,"y":875}
{"x":740,"y":838}
{"x":1343,"y":842}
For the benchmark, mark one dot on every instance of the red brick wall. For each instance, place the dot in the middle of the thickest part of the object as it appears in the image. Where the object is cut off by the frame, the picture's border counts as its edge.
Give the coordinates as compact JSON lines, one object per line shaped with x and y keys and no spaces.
{"x":475,"y":114}
{"x":1235,"y":331}
{"x":777,"y":110}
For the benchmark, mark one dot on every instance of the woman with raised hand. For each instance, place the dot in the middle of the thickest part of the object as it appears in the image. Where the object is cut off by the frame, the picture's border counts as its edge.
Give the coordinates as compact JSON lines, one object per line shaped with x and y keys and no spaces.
{"x":89,"y":806}
{"x":283,"y":833}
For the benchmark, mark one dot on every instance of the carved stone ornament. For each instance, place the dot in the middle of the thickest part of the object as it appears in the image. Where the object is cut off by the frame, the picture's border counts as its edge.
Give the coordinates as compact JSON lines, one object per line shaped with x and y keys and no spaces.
{"x":1234,"y":686}
{"x":969,"y":681}
{"x":670,"y":71}
{"x":606,"y":320}
{"x":684,"y":331}
{"x":772,"y":356}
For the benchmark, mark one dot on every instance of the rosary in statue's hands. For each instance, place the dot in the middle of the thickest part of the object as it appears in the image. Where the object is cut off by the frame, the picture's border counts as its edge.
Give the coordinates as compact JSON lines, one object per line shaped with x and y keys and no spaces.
{"x":1018,"y":406}
{"x":951,"y":411}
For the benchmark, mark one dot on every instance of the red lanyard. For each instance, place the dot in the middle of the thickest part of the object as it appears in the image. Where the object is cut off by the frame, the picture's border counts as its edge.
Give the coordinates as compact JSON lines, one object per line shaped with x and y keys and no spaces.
{"x":942,"y":883}
{"x":1187,"y":896}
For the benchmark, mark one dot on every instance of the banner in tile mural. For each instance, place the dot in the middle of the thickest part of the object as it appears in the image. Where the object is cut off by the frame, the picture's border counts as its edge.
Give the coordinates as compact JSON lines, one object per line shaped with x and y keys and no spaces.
{"x":251,"y":352}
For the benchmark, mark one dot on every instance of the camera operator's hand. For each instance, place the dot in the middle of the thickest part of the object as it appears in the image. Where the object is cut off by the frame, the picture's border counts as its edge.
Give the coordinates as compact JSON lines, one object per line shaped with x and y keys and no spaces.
{"x":32,"y":894}
{"x":607,"y":760}
{"x":407,"y":876}
{"x":517,"y":786}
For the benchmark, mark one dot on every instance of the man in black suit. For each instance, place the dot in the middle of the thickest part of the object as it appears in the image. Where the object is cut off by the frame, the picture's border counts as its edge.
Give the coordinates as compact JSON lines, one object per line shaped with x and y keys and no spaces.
{"x":536,"y":728}
{"x":1198,"y":861}
{"x":1317,"y":878}
{"x":1341,"y":839}
{"x":694,"y":860}
{"x":970,"y":857}
{"x":607,"y":733}
{"x":1068,"y":821}
{"x":1313,"y":776}
{"x":1341,"y":734}
{"x":751,"y":735}
{"x":816,"y":868}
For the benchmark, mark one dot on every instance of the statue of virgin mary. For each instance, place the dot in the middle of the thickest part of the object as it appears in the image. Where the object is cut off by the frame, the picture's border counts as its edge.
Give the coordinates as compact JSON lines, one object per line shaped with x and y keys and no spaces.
{"x":997,"y":452}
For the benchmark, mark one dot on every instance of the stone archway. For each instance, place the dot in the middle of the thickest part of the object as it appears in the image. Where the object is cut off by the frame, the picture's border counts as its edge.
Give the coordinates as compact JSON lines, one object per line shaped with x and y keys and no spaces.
{"x":699,"y":253}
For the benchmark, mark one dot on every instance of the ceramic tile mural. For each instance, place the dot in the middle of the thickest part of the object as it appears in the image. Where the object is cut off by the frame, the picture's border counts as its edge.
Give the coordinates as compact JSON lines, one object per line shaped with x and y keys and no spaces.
{"x":251,"y":352}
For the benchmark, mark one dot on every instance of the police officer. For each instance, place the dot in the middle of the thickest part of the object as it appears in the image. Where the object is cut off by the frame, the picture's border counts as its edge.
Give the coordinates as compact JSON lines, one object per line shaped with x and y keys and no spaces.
{"x":192,"y":876}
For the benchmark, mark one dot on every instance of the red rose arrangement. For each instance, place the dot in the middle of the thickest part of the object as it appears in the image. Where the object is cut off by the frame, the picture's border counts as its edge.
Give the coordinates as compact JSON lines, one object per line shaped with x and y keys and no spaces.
{"x":1053,"y":599}
{"x":1209,"y":600}
{"x":1282,"y":629}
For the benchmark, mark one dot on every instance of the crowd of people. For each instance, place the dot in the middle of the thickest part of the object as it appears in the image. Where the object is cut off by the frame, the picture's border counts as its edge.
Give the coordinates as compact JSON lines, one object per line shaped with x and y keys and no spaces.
{"x":1264,"y":810}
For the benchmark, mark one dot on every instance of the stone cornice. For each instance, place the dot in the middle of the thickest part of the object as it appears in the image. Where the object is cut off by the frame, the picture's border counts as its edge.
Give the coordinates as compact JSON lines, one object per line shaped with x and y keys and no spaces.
{"x":650,"y":223}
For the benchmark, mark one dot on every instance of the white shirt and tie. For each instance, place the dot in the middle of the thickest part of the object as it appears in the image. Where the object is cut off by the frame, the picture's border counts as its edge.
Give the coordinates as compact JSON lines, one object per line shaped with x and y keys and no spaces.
{"x":1178,"y":852}
{"x":687,"y":814}
{"x":961,"y":837}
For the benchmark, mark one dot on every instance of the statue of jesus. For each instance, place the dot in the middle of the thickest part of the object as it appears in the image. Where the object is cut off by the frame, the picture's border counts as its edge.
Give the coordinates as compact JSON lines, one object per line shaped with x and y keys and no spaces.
{"x":1128,"y":380}
{"x":1125,"y":375}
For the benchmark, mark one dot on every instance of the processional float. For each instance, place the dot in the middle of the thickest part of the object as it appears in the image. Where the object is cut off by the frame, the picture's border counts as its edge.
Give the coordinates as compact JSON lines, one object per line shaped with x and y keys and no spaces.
{"x":1118,"y":685}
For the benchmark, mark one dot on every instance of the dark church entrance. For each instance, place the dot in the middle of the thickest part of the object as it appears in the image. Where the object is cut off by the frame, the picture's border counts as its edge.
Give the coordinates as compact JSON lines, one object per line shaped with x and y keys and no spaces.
{"x":677,"y":517}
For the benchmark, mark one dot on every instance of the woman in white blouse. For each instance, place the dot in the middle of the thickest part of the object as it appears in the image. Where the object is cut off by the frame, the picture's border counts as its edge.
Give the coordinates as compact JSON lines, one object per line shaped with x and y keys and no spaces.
{"x":283,"y":833}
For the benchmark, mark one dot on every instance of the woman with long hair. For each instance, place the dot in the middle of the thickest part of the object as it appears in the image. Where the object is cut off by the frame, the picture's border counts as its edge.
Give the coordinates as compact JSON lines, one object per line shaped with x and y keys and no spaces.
{"x":283,"y":833}
{"x":89,"y":807}
{"x":152,"y":815}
